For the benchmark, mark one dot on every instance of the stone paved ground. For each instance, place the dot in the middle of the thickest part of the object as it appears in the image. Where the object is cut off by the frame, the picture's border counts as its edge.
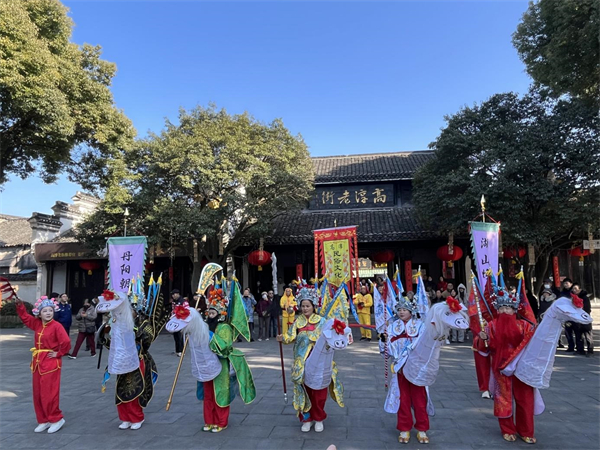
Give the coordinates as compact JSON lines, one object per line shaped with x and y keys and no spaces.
{"x":463,"y":420}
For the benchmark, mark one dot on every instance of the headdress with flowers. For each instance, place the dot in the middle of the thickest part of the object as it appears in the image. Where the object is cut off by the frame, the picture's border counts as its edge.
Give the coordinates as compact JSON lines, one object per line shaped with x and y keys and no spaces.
{"x":219,"y":302}
{"x":502,"y":298}
{"x":42,"y":303}
{"x":453,"y":304}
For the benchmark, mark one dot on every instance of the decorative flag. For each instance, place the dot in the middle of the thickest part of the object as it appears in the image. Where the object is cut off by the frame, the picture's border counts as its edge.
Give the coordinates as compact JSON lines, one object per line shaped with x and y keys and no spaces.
{"x":421,"y":296}
{"x":126,"y":259}
{"x":237,"y":313}
{"x":336,"y":255}
{"x":382,"y":310}
{"x":484,"y":242}
{"x":524,"y":307}
{"x":398,"y":280}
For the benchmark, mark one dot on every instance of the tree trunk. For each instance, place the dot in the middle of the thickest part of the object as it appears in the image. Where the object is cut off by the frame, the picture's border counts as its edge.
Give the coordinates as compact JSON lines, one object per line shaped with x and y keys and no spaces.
{"x":541,"y":268}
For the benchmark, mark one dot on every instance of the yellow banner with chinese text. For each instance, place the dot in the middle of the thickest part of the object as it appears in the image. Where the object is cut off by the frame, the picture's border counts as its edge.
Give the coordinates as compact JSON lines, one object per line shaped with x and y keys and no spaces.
{"x":337,"y":261}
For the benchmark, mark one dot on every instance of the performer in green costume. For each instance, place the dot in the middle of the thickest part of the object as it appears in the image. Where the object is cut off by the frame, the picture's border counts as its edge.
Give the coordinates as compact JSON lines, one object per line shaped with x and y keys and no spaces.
{"x":220,"y":369}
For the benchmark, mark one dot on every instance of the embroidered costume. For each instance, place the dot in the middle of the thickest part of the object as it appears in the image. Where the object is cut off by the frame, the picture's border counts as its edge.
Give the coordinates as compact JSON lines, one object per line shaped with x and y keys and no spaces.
{"x":221,"y":371}
{"x":46,"y":370}
{"x":314,"y":372}
{"x":405,"y":397}
{"x":129,"y":341}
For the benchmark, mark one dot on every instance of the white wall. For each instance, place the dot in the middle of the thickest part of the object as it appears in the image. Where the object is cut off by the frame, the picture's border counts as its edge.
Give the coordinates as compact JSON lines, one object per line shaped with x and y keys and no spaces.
{"x":26,"y":290}
{"x":59,"y":281}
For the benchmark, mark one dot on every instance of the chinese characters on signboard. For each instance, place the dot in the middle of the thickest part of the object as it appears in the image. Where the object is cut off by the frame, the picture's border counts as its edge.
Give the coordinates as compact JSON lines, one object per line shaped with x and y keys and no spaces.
{"x":337,"y":261}
{"x":361,"y":196}
{"x":126,"y":257}
{"x":484,"y":241}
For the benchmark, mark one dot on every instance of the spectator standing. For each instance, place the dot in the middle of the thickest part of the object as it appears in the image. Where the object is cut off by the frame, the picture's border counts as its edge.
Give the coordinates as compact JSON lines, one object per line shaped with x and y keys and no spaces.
{"x":569,"y":326}
{"x":64,"y":315}
{"x":430,"y":284}
{"x":249,"y":304}
{"x":549,"y":285}
{"x":448,"y":292}
{"x":274,"y":313}
{"x":547,"y":297}
{"x":262,"y":309}
{"x":176,"y":300}
{"x":442,"y":285}
{"x":363,"y":302}
{"x":86,"y":325}
{"x":583,"y":333}
{"x":288,"y":309}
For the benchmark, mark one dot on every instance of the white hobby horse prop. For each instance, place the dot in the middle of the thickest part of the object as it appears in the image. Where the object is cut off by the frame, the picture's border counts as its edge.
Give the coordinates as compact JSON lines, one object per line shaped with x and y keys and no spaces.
{"x":205,"y":363}
{"x":533,"y":365}
{"x":420,"y":361}
{"x":319,"y":365}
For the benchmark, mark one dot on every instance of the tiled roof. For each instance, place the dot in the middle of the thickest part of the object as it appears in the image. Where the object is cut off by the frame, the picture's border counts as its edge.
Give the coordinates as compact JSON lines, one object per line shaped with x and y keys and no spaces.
{"x":67,"y":236}
{"x":369,"y":167}
{"x":374,"y":225}
{"x":14,"y":231}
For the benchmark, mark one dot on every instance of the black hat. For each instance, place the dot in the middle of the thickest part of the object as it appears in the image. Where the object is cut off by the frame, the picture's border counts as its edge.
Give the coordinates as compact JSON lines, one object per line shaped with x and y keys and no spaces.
{"x":175,"y":291}
{"x":567,"y":280}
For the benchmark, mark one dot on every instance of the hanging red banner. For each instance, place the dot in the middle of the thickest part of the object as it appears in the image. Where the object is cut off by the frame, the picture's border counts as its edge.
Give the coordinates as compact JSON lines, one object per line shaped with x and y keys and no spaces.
{"x":408,"y":280}
{"x":336,"y":255}
{"x":299,"y":272}
{"x":555,"y":271}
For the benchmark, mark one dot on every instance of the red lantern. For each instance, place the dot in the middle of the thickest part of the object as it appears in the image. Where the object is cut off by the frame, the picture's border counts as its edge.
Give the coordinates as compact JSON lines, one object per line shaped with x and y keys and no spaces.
{"x":89,"y":266}
{"x":384,"y":256}
{"x":509,"y":252}
{"x":580,"y":252}
{"x":259,"y":258}
{"x":444,"y":254}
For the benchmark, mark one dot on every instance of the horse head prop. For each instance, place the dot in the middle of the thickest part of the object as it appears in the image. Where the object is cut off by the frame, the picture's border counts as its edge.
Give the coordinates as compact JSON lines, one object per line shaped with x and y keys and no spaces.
{"x":533,"y":366}
{"x":336,"y":334}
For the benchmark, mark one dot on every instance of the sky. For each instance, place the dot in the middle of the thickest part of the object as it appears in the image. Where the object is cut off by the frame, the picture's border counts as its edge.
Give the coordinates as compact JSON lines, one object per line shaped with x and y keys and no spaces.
{"x":350,"y":77}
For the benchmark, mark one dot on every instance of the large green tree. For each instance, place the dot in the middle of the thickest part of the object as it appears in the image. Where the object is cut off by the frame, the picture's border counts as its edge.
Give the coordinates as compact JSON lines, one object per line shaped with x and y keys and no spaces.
{"x":54,"y":95}
{"x":537,"y":161}
{"x":559,"y":42}
{"x":209,"y":184}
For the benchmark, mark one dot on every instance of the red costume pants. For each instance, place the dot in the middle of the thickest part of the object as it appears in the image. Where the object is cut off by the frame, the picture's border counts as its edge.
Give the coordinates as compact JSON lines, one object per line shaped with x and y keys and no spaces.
{"x":132,"y":411}
{"x":46,"y":393}
{"x":213,"y":413}
{"x":415,"y":397}
{"x":90,"y":341}
{"x":482,"y":367}
{"x":523,"y":395}
{"x":317,"y":397}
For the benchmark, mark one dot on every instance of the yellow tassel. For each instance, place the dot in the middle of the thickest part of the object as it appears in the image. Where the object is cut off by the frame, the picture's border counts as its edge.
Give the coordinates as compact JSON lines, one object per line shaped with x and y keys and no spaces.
{"x":103,"y":389}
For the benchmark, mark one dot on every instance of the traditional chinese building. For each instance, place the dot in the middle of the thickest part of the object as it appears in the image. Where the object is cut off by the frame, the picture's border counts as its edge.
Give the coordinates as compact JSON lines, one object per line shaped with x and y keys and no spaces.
{"x":373,"y":192}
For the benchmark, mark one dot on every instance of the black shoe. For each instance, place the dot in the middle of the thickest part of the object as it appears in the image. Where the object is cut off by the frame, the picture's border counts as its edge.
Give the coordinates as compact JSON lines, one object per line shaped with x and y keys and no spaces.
{"x":570,"y":350}
{"x":362,"y":338}
{"x":581,"y":353}
{"x":368,"y":339}
{"x":560,"y":345}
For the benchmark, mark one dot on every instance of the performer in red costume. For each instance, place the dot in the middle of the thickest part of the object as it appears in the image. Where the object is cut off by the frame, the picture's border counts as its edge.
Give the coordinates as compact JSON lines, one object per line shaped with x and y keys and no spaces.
{"x":51,"y":344}
{"x":506,"y":336}
{"x":482,"y":358}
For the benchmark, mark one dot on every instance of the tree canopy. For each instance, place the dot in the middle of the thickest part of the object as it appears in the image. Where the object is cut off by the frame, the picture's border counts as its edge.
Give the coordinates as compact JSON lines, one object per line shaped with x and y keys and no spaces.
{"x":559,"y":43}
{"x":54,"y":95}
{"x":537,"y":161}
{"x":213,"y":179}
